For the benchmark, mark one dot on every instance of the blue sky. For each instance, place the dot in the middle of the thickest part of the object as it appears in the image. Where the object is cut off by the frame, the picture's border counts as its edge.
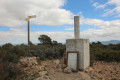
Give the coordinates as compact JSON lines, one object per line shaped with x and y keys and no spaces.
{"x":99,"y":19}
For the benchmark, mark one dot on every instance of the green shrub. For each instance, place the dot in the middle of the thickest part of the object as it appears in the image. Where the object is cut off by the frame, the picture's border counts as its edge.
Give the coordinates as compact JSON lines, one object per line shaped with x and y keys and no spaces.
{"x":13,"y":71}
{"x":100,"y":52}
{"x":38,"y":60}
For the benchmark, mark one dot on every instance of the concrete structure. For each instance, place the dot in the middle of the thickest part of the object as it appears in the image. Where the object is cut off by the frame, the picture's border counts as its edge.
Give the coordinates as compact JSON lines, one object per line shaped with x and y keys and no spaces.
{"x":79,"y":45}
{"x":76,"y":27}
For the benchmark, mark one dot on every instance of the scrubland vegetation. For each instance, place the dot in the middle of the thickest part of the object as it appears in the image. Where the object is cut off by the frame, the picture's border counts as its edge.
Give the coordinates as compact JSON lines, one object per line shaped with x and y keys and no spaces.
{"x":48,"y":49}
{"x":108,"y":53}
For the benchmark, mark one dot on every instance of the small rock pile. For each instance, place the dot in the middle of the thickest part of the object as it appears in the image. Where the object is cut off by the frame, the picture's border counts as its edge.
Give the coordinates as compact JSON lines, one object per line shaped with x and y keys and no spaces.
{"x":52,"y":66}
{"x":32,"y":70}
{"x":67,"y":70}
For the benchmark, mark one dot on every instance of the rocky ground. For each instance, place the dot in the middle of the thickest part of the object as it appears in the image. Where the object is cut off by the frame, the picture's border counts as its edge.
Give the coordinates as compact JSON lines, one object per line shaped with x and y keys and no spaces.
{"x":53,"y":70}
{"x":104,"y":71}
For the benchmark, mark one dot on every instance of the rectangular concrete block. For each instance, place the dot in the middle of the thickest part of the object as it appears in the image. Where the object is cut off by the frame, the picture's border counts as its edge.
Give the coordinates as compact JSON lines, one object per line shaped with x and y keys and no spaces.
{"x":82,"y":46}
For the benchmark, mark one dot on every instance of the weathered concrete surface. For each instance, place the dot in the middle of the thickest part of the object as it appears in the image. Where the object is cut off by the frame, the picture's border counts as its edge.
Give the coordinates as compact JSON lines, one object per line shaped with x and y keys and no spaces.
{"x":76,"y":27}
{"x":82,"y":46}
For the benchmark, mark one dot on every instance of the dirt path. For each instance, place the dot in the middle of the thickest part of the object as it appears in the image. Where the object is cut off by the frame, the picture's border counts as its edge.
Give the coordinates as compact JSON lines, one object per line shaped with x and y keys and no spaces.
{"x":56,"y":72}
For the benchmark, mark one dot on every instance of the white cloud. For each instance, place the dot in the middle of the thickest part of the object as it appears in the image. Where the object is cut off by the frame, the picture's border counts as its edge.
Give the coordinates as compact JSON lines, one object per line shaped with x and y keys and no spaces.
{"x":109,"y":30}
{"x":116,"y":2}
{"x":114,"y":11}
{"x":109,"y":10}
{"x":69,"y":29}
{"x":98,"y":5}
{"x":21,"y":37}
{"x":100,"y":23}
{"x":48,"y":12}
{"x":17,"y":29}
{"x":102,"y":34}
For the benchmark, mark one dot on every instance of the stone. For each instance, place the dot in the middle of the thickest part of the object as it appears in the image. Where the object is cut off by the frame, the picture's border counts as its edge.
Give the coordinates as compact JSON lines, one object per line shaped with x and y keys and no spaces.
{"x":56,"y":61}
{"x":42,"y":73}
{"x":46,"y":77}
{"x":28,"y":61}
{"x":67,"y":70}
{"x":41,"y":68}
{"x":88,"y":70}
{"x":59,"y":70}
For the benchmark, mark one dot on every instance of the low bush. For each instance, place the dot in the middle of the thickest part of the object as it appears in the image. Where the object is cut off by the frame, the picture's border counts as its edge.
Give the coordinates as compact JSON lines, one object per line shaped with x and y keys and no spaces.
{"x":38,"y":60}
{"x":108,"y":53}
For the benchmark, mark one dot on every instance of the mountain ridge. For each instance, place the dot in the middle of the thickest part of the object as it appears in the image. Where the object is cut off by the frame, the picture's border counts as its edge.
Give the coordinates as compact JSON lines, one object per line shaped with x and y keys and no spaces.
{"x":110,"y":42}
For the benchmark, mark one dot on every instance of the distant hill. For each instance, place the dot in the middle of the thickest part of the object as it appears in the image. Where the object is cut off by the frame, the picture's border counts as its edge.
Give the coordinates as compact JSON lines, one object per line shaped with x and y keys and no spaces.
{"x":110,"y":42}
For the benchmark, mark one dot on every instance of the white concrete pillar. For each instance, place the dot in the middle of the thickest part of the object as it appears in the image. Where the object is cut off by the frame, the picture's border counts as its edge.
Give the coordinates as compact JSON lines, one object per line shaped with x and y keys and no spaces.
{"x":76,"y":27}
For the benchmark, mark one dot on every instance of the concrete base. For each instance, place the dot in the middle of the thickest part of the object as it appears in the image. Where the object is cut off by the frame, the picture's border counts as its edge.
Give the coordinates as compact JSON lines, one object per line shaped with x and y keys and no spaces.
{"x":82,"y":46}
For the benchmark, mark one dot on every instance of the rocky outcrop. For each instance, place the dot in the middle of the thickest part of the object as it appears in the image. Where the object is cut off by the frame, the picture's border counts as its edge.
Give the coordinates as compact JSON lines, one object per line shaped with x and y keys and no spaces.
{"x":53,"y":70}
{"x":32,"y":70}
